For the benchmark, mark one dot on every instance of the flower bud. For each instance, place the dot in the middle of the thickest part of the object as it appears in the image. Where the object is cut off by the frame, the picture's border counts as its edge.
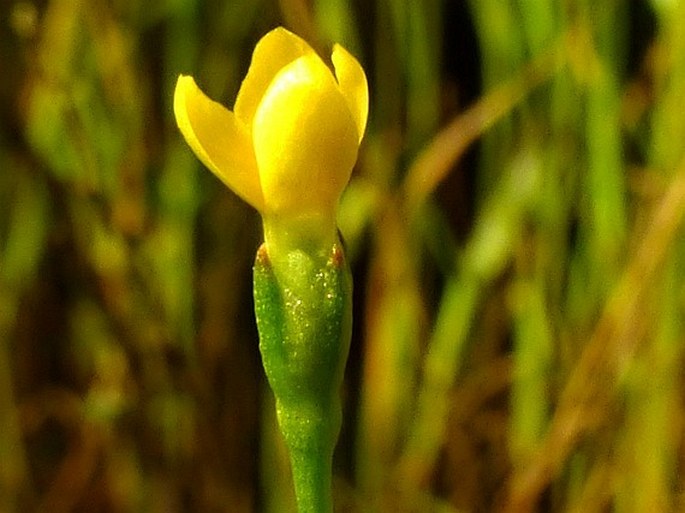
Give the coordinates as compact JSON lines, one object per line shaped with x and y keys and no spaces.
{"x":289,"y":146}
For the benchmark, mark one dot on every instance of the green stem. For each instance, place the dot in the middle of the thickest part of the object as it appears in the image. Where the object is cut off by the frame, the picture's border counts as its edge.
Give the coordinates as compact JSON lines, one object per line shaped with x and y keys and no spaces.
{"x":312,"y":473}
{"x":303,"y":307}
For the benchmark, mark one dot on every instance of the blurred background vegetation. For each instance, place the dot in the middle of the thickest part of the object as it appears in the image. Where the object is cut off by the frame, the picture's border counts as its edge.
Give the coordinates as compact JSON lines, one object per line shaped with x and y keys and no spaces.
{"x":514,"y":226}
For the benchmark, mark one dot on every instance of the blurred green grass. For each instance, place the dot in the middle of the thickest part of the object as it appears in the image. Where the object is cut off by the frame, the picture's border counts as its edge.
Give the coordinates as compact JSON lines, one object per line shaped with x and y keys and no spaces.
{"x":514,"y":224}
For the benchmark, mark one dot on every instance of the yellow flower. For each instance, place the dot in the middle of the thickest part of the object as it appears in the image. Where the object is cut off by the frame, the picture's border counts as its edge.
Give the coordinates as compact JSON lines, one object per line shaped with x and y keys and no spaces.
{"x":290,"y":143}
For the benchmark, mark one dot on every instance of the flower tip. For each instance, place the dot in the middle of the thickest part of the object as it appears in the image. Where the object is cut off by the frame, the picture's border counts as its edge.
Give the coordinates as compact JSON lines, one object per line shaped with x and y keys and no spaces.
{"x":183,"y":83}
{"x":180,"y":113}
{"x":274,"y":51}
{"x":184,"y":86}
{"x":353,"y":86}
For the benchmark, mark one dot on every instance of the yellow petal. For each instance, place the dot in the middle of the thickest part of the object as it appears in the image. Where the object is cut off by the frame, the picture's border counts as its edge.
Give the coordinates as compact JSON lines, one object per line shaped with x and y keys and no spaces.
{"x":273,"y":52}
{"x":218,"y":140}
{"x":353,"y":86}
{"x":305,"y":140}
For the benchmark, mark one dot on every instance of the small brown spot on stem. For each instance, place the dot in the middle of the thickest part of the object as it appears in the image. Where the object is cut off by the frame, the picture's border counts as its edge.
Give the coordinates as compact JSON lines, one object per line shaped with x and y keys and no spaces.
{"x":262,"y":257}
{"x":337,"y":256}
